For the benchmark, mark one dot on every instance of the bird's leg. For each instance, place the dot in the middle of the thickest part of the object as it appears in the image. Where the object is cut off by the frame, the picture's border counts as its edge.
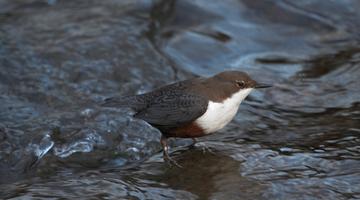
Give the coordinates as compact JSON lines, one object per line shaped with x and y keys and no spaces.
{"x":194,"y":141}
{"x":204,"y":148}
{"x":165,"y":147}
{"x":166,"y":156}
{"x":192,"y":145}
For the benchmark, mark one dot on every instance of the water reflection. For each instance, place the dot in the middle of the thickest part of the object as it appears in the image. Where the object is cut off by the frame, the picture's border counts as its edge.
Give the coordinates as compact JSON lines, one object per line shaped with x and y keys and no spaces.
{"x":217,"y":176}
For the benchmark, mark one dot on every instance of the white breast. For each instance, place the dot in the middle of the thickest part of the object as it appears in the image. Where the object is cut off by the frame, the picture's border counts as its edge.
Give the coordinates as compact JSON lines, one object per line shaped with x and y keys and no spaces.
{"x":218,"y":115}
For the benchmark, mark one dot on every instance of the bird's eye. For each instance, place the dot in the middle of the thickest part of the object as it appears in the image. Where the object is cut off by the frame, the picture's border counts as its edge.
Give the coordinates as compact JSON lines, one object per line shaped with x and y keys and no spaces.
{"x":240,"y":84}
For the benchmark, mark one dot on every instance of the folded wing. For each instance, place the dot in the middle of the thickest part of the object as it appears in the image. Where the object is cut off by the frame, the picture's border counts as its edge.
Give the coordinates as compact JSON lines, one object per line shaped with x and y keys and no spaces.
{"x":173,"y":109}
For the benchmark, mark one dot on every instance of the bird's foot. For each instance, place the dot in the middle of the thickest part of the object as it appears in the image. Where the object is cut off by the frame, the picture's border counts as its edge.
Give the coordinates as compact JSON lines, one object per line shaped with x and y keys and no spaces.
{"x":166,"y":156}
{"x":192,"y":145}
{"x":171,"y":162}
{"x":204,"y":147}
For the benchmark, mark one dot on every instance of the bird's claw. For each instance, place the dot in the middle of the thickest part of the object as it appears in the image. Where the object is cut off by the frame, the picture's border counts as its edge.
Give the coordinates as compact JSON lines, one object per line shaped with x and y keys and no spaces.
{"x":171,"y":162}
{"x":166,"y":156}
{"x":205,"y":148}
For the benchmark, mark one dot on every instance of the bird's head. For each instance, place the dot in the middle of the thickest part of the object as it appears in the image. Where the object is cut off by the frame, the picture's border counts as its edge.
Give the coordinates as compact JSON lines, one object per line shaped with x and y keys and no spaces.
{"x":239,"y":82}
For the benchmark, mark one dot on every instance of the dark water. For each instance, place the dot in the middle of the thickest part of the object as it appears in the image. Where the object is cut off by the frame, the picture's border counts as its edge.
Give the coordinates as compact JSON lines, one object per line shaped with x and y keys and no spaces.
{"x":297,"y":140}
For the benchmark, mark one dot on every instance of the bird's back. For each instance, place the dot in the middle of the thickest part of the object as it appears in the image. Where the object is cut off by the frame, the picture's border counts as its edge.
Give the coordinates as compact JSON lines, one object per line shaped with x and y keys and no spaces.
{"x":168,"y":107}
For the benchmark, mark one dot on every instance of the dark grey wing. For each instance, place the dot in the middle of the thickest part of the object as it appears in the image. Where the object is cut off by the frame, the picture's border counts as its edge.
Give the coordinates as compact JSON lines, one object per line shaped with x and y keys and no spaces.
{"x":173,"y":109}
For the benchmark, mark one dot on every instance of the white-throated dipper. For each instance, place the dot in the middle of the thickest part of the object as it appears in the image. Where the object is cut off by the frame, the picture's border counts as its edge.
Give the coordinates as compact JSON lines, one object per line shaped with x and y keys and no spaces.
{"x":191,"y":108}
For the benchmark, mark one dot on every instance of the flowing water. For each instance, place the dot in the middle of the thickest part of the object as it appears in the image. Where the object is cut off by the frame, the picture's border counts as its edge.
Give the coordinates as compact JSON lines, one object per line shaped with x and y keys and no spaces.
{"x":59,"y":59}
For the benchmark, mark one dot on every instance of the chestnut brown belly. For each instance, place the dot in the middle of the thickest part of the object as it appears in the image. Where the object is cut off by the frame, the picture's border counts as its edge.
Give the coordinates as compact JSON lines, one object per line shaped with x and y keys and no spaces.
{"x":190,"y":130}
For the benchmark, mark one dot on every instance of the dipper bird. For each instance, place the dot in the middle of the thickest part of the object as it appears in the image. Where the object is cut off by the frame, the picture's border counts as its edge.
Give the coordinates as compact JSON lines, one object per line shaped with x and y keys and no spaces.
{"x":190,"y":108}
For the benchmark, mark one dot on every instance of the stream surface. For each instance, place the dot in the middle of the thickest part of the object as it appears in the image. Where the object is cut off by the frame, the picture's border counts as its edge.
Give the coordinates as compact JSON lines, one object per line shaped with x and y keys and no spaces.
{"x":297,"y":140}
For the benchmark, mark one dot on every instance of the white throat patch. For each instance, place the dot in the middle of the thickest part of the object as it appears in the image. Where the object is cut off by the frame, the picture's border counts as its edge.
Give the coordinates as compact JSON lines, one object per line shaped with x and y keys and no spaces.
{"x":218,"y":115}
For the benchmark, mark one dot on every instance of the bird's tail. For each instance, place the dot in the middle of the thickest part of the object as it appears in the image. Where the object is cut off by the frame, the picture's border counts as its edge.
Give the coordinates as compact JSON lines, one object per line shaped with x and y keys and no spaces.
{"x":127,"y":101}
{"x":116,"y":102}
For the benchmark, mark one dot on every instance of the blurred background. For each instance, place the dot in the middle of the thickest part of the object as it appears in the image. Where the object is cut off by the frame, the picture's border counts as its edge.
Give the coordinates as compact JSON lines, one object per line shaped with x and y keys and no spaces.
{"x":60,"y":58}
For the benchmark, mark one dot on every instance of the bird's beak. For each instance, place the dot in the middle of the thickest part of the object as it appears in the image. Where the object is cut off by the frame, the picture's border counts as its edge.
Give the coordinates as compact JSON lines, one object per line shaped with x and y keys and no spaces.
{"x":262,"y":85}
